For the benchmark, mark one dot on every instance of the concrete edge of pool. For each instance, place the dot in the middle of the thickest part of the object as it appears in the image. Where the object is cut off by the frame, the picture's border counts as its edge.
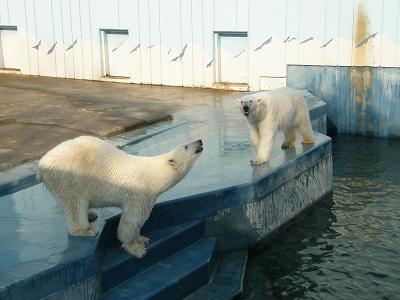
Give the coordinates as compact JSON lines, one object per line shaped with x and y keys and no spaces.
{"x":189,"y":233}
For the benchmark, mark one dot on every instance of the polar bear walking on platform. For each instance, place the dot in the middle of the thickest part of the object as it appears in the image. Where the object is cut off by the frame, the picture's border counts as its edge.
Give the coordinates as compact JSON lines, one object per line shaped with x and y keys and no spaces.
{"x":87,"y":172}
{"x":268,"y":112}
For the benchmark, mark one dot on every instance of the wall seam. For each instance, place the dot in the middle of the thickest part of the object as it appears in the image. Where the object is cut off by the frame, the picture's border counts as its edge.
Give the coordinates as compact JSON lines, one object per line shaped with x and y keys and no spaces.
{"x":91,"y":39}
{"x":36,"y":36}
{"x":149,"y":47}
{"x":63,"y":38}
{"x":27,"y":39}
{"x":298,"y":35}
{"x":159,"y":30}
{"x":80,"y":28}
{"x":140,"y":41}
{"x":338,"y":33}
{"x":72,"y":38}
{"x":54,"y":36}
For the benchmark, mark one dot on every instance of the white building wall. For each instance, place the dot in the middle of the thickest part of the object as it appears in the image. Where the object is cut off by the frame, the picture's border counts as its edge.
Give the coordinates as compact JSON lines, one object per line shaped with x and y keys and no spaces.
{"x":172,"y":42}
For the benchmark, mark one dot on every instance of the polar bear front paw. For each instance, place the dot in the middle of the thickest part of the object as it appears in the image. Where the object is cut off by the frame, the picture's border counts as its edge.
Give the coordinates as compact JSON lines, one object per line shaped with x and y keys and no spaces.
{"x":307,"y":141}
{"x":135,"y":248}
{"x":88,"y":231}
{"x":256,"y":162}
{"x":143,"y":240}
{"x":287,"y":145}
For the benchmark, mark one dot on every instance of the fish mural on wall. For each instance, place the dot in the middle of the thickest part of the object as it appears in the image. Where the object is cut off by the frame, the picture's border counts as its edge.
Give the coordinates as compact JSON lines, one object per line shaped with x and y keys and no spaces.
{"x":264,"y":43}
{"x":37,"y":45}
{"x":134,"y":49}
{"x":72,"y":45}
{"x":180,"y":56}
{"x":366,"y":40}
{"x":52,"y":48}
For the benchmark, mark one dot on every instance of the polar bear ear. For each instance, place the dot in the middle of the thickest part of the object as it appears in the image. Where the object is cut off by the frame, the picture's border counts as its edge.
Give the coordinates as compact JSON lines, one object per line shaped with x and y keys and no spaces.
{"x":258,"y":100}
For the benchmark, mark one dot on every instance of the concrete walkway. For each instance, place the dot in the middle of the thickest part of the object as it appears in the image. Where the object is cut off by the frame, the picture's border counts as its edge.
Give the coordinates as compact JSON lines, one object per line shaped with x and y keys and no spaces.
{"x":37,"y":113}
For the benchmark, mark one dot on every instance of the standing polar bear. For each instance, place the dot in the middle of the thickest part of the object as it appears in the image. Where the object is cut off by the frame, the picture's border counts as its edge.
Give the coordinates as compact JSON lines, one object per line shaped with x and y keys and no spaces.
{"x":267,"y":112}
{"x":87,"y":172}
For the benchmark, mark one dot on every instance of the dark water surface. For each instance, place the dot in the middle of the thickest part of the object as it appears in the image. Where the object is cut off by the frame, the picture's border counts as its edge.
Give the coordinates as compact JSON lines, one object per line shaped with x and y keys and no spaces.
{"x":348,"y":246}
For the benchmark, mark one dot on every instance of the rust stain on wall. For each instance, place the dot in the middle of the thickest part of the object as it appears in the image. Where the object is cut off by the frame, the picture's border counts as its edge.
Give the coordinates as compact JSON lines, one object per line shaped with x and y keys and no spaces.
{"x":362,"y":82}
{"x":362,"y":56}
{"x":361,"y":74}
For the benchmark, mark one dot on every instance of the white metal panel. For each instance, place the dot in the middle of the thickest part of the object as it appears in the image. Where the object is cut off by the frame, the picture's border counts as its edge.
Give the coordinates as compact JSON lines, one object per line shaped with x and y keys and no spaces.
{"x":105,"y":13}
{"x":330,"y":43}
{"x":291,"y":40}
{"x":209,"y":49}
{"x":17,"y":18}
{"x":171,"y":41}
{"x":44,"y":23}
{"x":77,"y":49}
{"x":86,"y":39}
{"x":155,"y":50}
{"x":4,"y":13}
{"x":144,"y":20}
{"x":187,"y":39}
{"x":69,"y":40}
{"x":389,"y":32}
{"x":129,"y":18}
{"x":311,"y":32}
{"x":225,"y":15}
{"x":198,"y":43}
{"x":9,"y":44}
{"x":242,"y":15}
{"x":266,"y":39}
{"x":59,"y":50}
{"x":345,"y":44}
{"x":32,"y":37}
{"x":118,"y":54}
{"x":233,"y":59}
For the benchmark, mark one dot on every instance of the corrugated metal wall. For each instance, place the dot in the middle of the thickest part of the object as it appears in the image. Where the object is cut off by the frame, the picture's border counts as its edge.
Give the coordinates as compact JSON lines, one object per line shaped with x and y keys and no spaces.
{"x":172,"y":41}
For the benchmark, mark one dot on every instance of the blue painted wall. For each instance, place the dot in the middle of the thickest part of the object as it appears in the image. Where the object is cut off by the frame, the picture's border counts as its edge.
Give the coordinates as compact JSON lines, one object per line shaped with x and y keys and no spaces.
{"x":361,"y":100}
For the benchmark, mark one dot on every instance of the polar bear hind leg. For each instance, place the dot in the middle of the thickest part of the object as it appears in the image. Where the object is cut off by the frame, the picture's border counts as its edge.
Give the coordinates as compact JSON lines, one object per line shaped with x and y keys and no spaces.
{"x":306,"y":133}
{"x":290,"y":138}
{"x":77,"y":217}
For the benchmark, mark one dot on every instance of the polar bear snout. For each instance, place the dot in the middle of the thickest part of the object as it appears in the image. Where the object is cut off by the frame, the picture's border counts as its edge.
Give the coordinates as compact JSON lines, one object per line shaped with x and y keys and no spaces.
{"x":198,"y":146}
{"x":195,"y":147}
{"x":246,"y":109}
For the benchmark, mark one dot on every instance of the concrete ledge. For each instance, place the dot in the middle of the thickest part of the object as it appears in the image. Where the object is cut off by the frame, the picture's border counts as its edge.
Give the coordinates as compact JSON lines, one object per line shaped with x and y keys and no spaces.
{"x":18,"y":178}
{"x":38,"y":259}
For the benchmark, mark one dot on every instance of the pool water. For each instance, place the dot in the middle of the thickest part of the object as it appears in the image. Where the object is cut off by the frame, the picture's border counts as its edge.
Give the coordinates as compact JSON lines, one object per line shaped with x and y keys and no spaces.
{"x":348,"y":246}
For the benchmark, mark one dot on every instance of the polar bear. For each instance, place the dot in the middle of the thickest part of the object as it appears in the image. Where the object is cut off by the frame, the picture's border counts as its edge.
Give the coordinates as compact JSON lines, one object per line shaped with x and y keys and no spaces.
{"x":86,"y":172}
{"x":267,"y":112}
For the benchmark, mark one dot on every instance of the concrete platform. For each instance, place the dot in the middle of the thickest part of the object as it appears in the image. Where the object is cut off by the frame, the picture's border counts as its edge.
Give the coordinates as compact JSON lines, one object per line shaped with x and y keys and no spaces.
{"x":37,"y":113}
{"x":241,"y":206}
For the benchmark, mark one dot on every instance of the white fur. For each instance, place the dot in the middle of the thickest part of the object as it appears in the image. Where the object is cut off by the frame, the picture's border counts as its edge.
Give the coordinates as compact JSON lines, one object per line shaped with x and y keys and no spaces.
{"x":87,"y":172}
{"x":281,"y":109}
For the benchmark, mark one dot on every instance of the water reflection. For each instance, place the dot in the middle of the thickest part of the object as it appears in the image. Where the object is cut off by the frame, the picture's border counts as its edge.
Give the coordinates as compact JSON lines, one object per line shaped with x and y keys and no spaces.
{"x":348,"y":246}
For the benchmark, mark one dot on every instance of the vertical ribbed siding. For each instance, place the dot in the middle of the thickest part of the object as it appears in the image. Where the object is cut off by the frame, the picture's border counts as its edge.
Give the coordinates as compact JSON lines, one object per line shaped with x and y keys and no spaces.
{"x":334,"y":20}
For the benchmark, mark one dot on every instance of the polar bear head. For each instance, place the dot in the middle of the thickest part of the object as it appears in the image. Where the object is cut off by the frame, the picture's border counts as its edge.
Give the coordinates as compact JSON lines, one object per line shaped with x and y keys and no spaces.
{"x":182,"y":158}
{"x":248,"y":104}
